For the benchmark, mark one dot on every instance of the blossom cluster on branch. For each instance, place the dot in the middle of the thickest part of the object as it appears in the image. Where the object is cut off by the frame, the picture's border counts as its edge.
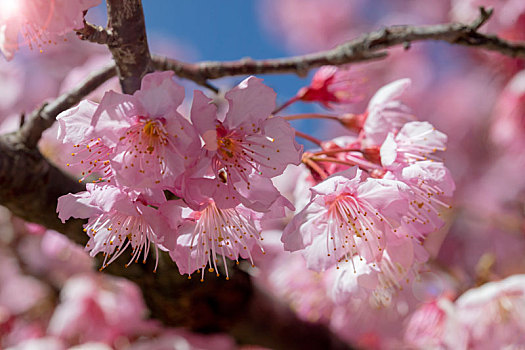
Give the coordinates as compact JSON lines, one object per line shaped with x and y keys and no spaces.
{"x":139,"y":146}
{"x":361,"y":238}
{"x":375,"y":197}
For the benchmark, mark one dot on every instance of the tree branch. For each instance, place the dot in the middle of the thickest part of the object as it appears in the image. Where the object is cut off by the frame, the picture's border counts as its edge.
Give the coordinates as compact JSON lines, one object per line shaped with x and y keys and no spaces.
{"x":31,"y":185}
{"x":42,"y":118}
{"x":367,"y":47}
{"x":130,"y":45}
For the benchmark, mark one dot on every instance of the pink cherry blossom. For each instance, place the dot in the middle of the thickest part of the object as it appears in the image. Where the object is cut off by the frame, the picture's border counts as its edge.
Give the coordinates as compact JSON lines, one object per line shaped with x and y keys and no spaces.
{"x":92,"y":156}
{"x":347,"y":216}
{"x":379,"y":282}
{"x":494,"y":314}
{"x":54,"y":256}
{"x":246,"y":148}
{"x":98,"y":308}
{"x":385,"y":113}
{"x":231,"y":233}
{"x":431,"y":188}
{"x":435,"y":325}
{"x":141,"y":139}
{"x":414,"y":142}
{"x":117,"y":219}
{"x":39,"y":22}
{"x":332,"y":86}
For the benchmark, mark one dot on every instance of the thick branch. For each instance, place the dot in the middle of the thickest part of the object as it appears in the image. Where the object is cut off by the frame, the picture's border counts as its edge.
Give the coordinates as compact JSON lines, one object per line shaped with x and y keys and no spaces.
{"x":42,"y":118}
{"x":129,"y":46}
{"x":31,"y":186}
{"x":367,"y":47}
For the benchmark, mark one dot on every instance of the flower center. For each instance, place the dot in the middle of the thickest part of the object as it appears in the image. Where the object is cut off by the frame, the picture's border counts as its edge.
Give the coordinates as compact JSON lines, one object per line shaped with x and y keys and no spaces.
{"x":227,"y":147}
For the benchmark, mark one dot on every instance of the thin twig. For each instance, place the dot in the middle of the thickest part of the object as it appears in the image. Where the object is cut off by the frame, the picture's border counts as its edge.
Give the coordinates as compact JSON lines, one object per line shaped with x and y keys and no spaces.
{"x":335,"y":151}
{"x":308,"y":137}
{"x":363,"y":164}
{"x":367,"y":47}
{"x":163,"y":63}
{"x":96,"y":34}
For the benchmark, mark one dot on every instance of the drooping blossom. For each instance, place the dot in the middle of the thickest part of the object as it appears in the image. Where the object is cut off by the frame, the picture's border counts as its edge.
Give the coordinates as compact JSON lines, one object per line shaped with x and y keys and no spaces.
{"x":386,"y":113}
{"x":117,"y":220}
{"x":39,"y":22}
{"x":141,"y":138}
{"x":212,"y":234}
{"x":416,"y":141}
{"x":347,"y":216}
{"x":332,"y":86}
{"x":245,"y":149}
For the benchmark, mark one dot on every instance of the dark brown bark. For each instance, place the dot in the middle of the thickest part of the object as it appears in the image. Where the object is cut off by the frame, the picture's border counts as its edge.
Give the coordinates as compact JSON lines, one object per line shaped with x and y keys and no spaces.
{"x":130,"y":48}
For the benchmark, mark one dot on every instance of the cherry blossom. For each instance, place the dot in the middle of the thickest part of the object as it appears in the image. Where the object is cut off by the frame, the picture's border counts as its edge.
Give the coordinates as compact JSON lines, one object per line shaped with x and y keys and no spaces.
{"x":117,"y":219}
{"x":332,"y":86}
{"x":39,"y":22}
{"x":385,"y":113}
{"x":494,"y":314}
{"x":92,"y":156}
{"x":431,"y":188}
{"x":246,"y":148}
{"x":415,"y":141}
{"x":97,"y":308}
{"x":381,"y":281}
{"x":436,"y":325}
{"x":231,"y":233}
{"x":138,"y":139}
{"x":346,"y":217}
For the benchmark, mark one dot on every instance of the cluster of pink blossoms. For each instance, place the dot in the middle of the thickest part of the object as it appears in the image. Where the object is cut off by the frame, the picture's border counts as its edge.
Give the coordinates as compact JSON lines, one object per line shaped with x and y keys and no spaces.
{"x":39,"y":22}
{"x":199,"y":187}
{"x":375,"y":198}
{"x":139,"y":151}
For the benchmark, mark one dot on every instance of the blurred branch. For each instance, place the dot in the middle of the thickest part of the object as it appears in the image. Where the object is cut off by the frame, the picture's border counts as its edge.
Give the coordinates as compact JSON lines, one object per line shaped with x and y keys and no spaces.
{"x":42,"y":118}
{"x":367,"y":47}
